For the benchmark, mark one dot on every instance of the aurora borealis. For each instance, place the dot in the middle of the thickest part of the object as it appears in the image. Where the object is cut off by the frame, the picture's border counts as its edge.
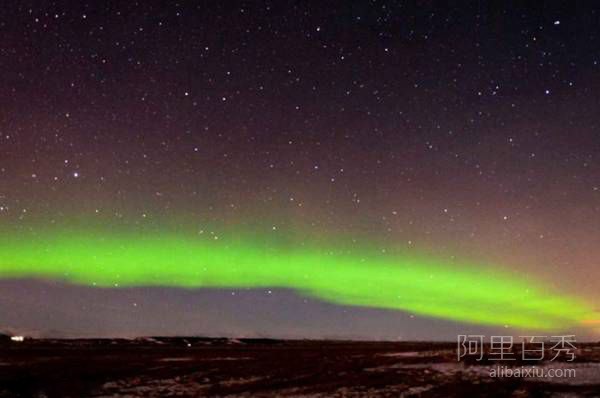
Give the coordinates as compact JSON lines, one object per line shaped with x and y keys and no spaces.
{"x":371,"y":170}
{"x":423,"y":286}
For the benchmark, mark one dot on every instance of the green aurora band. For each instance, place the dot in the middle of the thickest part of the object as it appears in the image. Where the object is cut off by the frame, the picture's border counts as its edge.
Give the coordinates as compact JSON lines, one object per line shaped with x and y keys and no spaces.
{"x":420,"y":285}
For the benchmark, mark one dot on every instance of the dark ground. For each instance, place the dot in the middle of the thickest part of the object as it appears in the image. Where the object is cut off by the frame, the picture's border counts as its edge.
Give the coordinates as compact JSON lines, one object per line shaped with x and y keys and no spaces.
{"x":224,"y":367}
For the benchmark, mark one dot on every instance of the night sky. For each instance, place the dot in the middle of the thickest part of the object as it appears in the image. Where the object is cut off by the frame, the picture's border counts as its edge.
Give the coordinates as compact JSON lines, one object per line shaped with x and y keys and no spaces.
{"x":466,"y":133}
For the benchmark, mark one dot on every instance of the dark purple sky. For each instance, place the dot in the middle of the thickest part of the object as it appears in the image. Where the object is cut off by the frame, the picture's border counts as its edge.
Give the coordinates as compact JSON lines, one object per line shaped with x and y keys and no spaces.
{"x":470,"y":131}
